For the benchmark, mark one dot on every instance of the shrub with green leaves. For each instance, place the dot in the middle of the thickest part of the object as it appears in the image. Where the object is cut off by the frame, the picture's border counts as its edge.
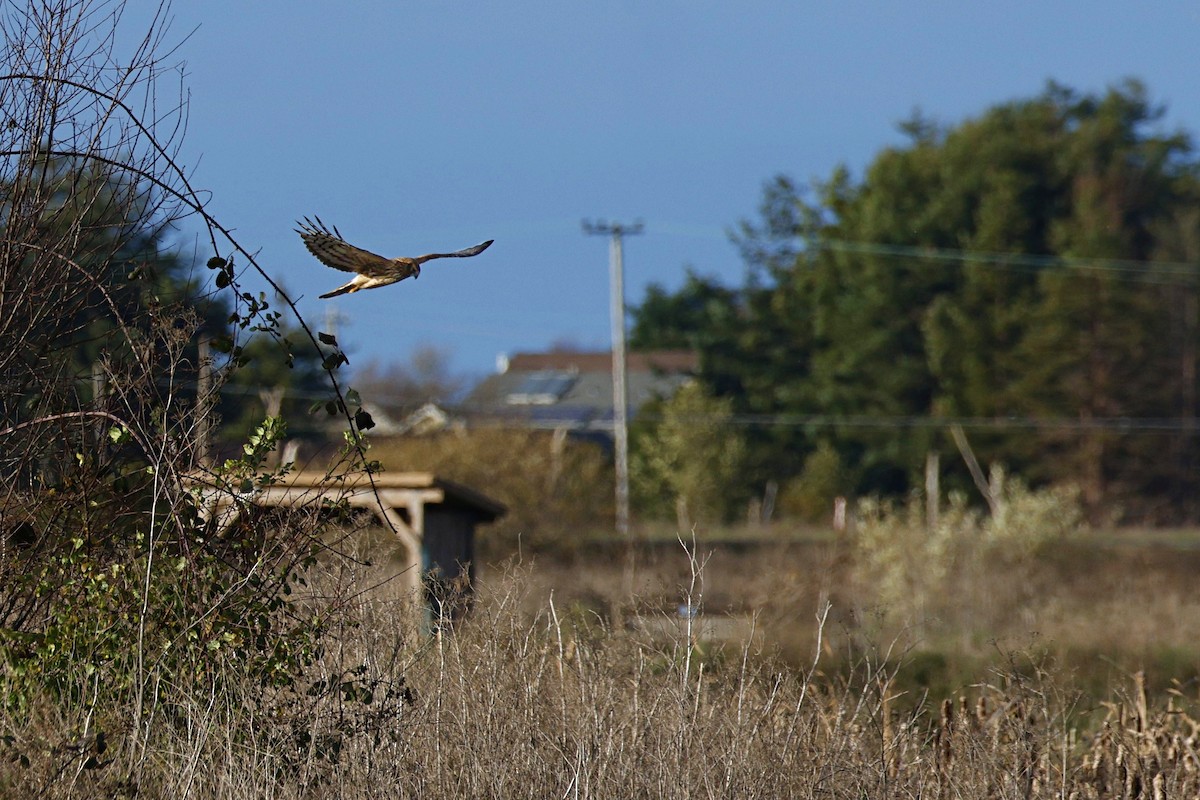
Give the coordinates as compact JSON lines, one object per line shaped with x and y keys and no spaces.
{"x":689,"y":458}
{"x":119,"y":596}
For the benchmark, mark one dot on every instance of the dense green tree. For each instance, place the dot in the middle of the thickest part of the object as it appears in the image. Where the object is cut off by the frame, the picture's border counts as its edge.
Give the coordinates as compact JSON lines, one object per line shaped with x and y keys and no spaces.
{"x":97,"y":317}
{"x":1009,"y":270}
{"x":1086,"y":338}
{"x":696,"y":315}
{"x":68,"y":318}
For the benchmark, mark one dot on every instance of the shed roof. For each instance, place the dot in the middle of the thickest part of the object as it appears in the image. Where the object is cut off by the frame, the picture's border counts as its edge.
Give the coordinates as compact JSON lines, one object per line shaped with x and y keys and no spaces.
{"x":437,"y":490}
{"x":455,"y":494}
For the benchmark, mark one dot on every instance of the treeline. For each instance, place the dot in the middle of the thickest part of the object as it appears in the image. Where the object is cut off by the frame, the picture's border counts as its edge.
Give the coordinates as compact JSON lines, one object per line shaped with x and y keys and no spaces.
{"x":1029,"y":275}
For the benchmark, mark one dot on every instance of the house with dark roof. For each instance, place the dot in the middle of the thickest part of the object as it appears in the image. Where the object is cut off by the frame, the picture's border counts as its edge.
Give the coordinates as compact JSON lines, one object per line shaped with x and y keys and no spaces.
{"x":574,"y":390}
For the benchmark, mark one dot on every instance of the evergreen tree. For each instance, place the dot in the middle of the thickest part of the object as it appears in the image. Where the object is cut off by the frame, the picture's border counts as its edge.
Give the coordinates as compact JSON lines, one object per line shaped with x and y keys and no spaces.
{"x":69,"y":317}
{"x":995,"y":270}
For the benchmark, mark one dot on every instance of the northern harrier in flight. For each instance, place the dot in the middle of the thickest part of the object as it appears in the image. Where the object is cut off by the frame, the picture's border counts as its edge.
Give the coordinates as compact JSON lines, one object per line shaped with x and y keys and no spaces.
{"x":333,"y":251}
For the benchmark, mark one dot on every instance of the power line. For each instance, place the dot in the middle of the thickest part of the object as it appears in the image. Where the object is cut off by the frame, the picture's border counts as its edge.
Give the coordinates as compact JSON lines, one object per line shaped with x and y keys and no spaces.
{"x":1130,"y":425}
{"x":1118,"y":424}
{"x":1019,"y":261}
{"x":788,"y":420}
{"x":1146,"y":270}
{"x":487,"y":416}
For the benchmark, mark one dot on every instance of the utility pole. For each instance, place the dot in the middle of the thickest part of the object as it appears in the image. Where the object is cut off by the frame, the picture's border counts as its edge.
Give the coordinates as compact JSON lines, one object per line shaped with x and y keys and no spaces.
{"x":616,"y":233}
{"x":333,"y":318}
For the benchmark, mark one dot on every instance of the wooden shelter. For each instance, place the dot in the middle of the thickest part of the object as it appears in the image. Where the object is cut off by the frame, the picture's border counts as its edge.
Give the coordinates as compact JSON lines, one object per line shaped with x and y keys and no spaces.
{"x":435,"y":519}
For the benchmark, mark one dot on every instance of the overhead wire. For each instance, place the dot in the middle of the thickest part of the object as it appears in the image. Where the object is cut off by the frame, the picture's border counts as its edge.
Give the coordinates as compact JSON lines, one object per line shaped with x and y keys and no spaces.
{"x":1149,"y":271}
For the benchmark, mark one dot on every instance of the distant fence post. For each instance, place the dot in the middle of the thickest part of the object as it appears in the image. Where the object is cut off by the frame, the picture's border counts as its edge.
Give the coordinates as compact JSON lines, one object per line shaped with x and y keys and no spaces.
{"x":932,"y":489}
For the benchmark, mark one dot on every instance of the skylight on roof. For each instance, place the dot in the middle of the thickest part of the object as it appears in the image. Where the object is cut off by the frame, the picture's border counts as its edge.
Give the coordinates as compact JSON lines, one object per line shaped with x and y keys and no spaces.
{"x":541,"y":389}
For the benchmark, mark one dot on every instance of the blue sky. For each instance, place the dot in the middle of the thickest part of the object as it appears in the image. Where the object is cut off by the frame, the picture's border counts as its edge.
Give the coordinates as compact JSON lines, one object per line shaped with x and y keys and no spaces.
{"x":421,"y":126}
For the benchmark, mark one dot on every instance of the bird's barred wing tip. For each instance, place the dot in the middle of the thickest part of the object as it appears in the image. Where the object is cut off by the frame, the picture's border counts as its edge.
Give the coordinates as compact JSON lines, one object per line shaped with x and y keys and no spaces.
{"x":316,"y":227}
{"x":470,"y":251}
{"x":332,"y":250}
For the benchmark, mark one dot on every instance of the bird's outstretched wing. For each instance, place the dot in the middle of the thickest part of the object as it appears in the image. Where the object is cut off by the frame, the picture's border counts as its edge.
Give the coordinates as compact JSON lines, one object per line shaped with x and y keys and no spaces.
{"x":470,"y":251}
{"x":333,"y":251}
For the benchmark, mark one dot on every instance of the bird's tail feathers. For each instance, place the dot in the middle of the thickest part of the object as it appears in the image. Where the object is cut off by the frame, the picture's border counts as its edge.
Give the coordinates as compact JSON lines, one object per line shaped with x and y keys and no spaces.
{"x":349,"y":287}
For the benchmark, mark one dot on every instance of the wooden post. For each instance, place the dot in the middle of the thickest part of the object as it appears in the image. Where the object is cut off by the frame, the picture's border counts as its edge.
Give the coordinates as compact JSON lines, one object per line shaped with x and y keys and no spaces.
{"x":981,"y":481}
{"x":204,"y":401}
{"x":932,"y":490}
{"x":99,"y":387}
{"x":410,"y":536}
{"x":839,"y":514}
{"x":770,"y":493}
{"x":272,"y":400}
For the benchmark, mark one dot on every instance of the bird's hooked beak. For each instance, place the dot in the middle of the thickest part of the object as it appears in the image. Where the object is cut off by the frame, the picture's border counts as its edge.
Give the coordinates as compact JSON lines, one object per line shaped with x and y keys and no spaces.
{"x":417,"y":273}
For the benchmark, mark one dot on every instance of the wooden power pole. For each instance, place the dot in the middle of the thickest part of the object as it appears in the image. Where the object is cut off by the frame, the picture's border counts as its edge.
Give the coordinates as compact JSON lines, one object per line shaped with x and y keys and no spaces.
{"x":616,"y":233}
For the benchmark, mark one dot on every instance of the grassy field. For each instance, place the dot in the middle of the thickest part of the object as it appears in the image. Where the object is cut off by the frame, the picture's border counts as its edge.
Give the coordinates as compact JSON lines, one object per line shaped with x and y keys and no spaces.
{"x":1097,"y":609}
{"x":1073,"y":674}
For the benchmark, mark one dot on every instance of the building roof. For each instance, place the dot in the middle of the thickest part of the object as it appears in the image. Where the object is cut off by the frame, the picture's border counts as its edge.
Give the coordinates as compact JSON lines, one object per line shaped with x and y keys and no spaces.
{"x":574,"y":390}
{"x":666,"y":361}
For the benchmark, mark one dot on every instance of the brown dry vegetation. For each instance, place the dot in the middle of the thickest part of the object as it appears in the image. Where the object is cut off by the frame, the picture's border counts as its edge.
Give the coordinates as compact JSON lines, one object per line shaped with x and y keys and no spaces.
{"x":1099,"y":609}
{"x":536,"y":697}
{"x":551,"y":485}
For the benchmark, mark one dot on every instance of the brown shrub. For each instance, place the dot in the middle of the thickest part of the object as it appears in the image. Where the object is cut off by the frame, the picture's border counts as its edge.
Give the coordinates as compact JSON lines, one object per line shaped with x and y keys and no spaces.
{"x":554,"y":487}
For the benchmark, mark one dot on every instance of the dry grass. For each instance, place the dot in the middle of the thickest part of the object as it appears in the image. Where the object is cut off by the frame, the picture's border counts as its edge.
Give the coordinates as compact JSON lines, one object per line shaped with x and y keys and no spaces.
{"x":1098,"y":608}
{"x":538,"y":695}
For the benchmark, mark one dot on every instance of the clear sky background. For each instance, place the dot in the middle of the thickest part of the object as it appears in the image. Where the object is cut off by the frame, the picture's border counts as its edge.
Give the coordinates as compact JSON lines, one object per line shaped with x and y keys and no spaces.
{"x":433,"y":125}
